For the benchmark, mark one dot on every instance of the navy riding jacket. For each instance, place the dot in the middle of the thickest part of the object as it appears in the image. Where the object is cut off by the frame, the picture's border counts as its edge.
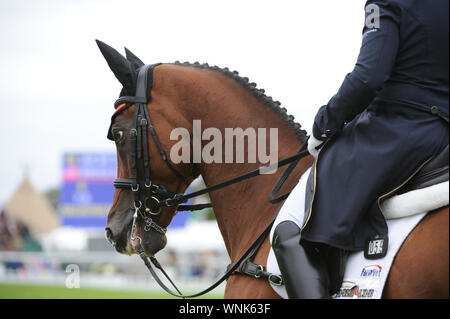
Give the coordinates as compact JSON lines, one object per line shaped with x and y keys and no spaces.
{"x":403,"y":59}
{"x":388,"y":118}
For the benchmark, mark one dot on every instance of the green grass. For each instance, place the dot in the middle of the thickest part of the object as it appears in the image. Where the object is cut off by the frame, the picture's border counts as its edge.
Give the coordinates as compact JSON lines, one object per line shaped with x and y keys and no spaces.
{"x":24,"y":291}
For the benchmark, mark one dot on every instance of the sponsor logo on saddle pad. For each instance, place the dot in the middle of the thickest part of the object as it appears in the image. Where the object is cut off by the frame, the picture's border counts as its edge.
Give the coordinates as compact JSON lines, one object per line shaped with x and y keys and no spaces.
{"x":376,"y":247}
{"x":371,"y":271}
{"x":351,"y":289}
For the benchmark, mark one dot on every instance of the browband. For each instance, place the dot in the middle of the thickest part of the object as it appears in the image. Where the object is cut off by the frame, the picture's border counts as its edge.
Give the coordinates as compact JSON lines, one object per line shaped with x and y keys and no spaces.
{"x":144,"y":84}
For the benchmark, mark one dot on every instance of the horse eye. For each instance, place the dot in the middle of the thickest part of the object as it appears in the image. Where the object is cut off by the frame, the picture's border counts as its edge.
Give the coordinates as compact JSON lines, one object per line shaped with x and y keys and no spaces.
{"x":118,"y":135}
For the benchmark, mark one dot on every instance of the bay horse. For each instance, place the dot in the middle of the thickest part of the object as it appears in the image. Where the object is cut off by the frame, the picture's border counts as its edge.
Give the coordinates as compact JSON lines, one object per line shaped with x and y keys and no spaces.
{"x":220,"y":98}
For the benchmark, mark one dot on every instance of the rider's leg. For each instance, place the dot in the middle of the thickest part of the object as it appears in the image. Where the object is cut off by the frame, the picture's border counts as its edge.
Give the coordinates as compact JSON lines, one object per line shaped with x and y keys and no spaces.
{"x":291,"y":254}
{"x":335,"y":261}
{"x":302,"y":266}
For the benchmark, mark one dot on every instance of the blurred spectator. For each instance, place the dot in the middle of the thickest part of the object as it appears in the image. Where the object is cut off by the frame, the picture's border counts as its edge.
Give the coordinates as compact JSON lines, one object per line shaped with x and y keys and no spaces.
{"x":14,"y":235}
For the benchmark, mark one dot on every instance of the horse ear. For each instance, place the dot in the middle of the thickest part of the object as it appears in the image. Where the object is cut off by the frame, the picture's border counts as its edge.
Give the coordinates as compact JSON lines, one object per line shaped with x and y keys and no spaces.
{"x":137,"y":63}
{"x":121,"y":67}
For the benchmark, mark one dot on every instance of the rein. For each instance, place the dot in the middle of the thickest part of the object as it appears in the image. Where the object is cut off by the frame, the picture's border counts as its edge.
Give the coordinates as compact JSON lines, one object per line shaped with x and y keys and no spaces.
{"x":149,"y":198}
{"x":245,"y":264}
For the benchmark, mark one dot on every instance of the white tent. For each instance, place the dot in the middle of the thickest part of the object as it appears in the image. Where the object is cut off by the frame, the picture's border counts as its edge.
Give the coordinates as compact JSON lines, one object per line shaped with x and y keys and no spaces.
{"x":65,"y":239}
{"x":196,"y":236}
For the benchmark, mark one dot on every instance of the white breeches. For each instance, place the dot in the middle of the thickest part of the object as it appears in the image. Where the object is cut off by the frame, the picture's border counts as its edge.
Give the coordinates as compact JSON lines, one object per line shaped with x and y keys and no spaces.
{"x":293,"y":208}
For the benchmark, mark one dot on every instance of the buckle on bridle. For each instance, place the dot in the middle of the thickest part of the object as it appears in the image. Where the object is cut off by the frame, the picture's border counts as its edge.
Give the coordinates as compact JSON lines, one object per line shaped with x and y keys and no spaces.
{"x":261,"y":268}
{"x":172,"y":201}
{"x":276,"y":280}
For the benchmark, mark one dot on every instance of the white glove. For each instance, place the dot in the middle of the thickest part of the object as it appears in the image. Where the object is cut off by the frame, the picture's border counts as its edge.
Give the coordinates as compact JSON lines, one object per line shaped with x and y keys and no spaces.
{"x":312,"y":144}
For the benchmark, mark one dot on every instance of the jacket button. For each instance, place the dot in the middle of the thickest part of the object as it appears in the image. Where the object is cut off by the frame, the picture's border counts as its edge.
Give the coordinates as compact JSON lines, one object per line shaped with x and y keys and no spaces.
{"x":434,"y":110}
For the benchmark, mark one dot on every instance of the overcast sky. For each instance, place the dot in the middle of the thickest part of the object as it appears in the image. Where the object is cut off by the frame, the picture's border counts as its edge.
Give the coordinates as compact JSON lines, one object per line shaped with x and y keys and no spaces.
{"x":57,"y":91}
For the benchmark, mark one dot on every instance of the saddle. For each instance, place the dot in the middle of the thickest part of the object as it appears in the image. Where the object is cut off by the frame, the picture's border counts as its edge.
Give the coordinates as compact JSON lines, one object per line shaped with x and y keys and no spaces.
{"x":432,"y":173}
{"x":426,"y":191}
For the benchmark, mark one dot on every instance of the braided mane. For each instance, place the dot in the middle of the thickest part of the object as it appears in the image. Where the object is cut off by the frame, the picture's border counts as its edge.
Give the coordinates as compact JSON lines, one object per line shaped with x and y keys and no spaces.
{"x":259,"y":93}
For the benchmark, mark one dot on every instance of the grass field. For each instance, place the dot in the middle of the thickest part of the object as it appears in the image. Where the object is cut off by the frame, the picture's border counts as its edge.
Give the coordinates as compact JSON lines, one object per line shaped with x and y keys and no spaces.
{"x":23,"y":291}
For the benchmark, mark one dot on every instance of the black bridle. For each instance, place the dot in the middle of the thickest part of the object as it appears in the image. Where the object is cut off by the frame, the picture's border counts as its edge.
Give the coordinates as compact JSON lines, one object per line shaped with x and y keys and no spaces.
{"x":150,"y":198}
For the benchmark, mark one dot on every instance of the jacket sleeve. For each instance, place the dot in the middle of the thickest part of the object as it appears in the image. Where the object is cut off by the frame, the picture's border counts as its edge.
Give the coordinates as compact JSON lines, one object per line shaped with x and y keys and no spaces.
{"x":373,"y":67}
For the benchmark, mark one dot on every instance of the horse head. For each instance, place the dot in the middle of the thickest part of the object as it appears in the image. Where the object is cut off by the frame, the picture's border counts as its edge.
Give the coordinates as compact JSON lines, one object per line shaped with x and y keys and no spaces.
{"x":122,"y":229}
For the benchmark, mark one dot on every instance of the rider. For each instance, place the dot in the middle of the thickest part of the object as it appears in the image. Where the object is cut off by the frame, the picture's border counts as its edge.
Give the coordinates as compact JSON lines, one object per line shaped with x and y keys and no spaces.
{"x":388,"y":118}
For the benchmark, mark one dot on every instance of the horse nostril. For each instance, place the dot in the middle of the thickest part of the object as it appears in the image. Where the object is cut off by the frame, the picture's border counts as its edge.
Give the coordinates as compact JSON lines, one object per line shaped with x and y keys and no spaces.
{"x":109,"y":235}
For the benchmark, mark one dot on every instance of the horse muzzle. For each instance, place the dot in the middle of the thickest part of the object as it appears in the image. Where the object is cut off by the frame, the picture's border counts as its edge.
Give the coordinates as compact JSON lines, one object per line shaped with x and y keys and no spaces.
{"x":145,"y":230}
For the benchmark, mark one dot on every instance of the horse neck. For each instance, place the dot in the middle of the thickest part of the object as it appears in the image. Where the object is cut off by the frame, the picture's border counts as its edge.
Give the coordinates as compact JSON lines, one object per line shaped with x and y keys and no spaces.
{"x":242,"y":210}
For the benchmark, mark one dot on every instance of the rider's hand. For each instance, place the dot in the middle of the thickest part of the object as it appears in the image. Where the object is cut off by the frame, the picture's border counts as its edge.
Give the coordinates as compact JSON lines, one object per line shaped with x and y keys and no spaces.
{"x":313,"y":145}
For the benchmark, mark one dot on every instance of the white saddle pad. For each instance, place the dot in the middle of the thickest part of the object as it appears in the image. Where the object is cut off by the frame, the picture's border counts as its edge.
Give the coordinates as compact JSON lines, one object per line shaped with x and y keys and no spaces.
{"x":366,"y":278}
